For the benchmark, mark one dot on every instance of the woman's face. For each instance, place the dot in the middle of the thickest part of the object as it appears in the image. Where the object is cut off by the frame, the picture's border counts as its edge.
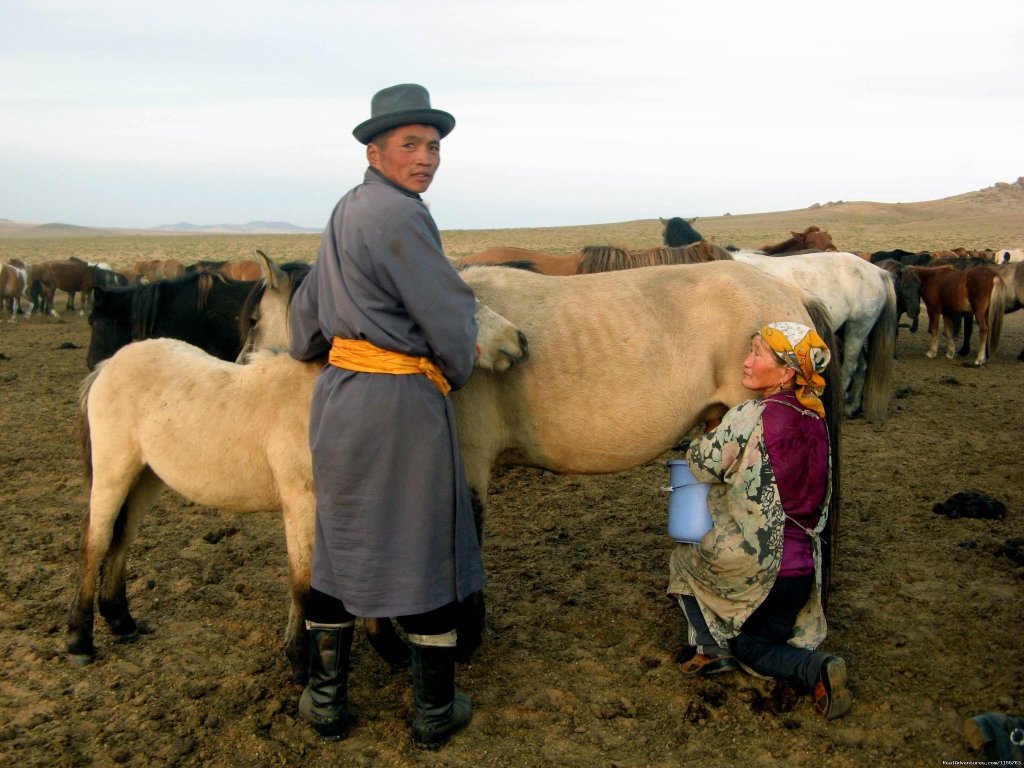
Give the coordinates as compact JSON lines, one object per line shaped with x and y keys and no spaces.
{"x":762,"y":371}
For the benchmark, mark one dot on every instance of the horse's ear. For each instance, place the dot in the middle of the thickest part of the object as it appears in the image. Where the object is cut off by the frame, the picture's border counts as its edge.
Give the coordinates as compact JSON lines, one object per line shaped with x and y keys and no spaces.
{"x":690,"y":221}
{"x":272,"y":274}
{"x":797,"y":235}
{"x":663,"y":222}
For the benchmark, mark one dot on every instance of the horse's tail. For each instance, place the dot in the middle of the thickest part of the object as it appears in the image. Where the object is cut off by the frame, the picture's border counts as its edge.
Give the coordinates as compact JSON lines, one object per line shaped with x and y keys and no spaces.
{"x":881,"y":347}
{"x":996,"y":310}
{"x":833,"y":400}
{"x":84,"y":434}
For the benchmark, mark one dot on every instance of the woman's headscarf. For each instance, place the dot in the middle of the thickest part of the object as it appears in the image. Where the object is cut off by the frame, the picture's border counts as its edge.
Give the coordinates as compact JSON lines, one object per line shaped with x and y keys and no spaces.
{"x":803,"y":350}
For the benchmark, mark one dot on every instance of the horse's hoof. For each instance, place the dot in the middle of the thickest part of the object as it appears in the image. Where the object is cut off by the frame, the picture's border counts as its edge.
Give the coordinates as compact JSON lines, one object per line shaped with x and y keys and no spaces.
{"x":80,"y":659}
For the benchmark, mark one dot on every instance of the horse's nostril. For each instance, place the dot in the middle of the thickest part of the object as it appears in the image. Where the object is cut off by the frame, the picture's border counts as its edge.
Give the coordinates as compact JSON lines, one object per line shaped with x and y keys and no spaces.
{"x":524,"y":344}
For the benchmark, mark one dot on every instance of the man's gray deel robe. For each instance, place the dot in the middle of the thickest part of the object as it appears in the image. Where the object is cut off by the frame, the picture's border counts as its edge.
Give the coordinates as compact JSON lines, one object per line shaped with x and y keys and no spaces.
{"x":395,"y":534}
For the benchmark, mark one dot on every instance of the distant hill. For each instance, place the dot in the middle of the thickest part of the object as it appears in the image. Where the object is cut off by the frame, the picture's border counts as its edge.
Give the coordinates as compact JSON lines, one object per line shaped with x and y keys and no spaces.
{"x":252,"y":228}
{"x":987,"y":218}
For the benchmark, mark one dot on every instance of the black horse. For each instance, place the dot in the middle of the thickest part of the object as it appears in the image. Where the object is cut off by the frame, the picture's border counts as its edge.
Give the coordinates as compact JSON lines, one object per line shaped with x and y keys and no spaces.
{"x":906,"y":258}
{"x":677,"y":232}
{"x":202,"y":309}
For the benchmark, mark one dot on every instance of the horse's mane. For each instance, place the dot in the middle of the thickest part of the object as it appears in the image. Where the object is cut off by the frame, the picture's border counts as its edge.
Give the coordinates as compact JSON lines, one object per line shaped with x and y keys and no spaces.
{"x":961,"y":262}
{"x":604,"y":258}
{"x":607,"y":258}
{"x":146,"y":299}
{"x":296,"y":271}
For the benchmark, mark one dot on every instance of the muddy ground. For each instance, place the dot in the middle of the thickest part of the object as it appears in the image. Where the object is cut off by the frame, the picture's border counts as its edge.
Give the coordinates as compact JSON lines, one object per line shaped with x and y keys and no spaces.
{"x":580,"y":664}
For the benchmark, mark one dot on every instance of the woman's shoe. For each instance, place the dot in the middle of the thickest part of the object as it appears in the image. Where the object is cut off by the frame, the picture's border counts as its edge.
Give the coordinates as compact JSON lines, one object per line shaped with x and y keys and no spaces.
{"x":701,"y":665}
{"x":832,"y":698}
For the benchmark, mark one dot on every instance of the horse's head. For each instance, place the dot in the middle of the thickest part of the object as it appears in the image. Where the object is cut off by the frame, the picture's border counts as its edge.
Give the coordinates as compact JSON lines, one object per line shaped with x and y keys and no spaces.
{"x":815,"y":237}
{"x":678,"y":231}
{"x":263,"y":321}
{"x":111,"y":321}
{"x":500,"y":343}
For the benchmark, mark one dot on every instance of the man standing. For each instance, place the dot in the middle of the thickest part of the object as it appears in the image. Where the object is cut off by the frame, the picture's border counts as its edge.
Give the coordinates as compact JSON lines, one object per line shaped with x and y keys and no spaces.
{"x":395,"y":534}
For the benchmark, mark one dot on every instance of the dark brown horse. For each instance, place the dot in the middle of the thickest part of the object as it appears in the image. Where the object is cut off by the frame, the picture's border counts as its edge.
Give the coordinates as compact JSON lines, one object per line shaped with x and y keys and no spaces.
{"x":908,"y":295}
{"x":71,"y":276}
{"x":814,"y":238}
{"x":977,"y":292}
{"x":679,"y":231}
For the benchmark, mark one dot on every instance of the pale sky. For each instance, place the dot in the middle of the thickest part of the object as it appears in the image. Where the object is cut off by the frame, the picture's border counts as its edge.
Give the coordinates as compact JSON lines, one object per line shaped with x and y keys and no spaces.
{"x":569,"y":112}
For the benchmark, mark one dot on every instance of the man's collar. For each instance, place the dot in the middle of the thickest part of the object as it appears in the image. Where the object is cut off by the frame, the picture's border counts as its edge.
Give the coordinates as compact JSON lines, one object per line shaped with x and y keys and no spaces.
{"x":372,"y":174}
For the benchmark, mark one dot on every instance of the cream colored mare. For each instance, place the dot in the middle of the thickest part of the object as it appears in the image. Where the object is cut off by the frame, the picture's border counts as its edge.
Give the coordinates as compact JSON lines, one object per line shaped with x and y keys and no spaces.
{"x":622,"y":365}
{"x":163,"y":412}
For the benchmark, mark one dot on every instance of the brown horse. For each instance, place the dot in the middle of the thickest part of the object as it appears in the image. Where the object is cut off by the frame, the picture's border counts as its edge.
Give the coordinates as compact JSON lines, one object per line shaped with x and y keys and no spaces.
{"x":595,"y":258}
{"x":13,"y":288}
{"x":244,"y":270}
{"x":523,"y":258}
{"x":811,"y":239}
{"x":154,"y":270}
{"x":71,"y":276}
{"x":977,"y":292}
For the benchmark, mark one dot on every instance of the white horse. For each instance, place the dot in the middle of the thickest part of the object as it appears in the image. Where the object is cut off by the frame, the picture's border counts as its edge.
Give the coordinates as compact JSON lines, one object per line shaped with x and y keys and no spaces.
{"x":163,"y":412}
{"x":861,"y":300}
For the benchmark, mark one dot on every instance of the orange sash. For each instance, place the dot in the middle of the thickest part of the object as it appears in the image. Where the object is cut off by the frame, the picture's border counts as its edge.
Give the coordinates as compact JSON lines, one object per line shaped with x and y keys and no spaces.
{"x":361,"y":355}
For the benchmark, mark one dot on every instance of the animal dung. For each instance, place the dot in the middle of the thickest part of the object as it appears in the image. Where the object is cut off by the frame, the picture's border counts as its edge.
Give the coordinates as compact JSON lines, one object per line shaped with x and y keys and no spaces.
{"x":970,"y":504}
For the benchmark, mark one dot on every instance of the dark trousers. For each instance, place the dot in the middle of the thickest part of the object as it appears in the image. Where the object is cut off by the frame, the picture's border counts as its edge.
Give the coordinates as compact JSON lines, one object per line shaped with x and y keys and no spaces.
{"x":762,"y":643}
{"x":325,"y":609}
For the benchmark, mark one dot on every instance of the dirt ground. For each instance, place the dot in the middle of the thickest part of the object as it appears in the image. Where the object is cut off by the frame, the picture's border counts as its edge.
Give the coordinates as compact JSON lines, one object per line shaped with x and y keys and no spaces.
{"x":580,"y":662}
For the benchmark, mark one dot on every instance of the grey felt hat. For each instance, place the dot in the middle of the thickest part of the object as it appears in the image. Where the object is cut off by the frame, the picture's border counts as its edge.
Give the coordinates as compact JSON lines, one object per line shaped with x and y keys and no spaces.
{"x":405,"y":104}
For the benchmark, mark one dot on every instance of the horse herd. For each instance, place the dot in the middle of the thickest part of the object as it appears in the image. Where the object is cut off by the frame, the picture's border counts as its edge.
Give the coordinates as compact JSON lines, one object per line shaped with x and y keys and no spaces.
{"x":567,"y":380}
{"x":27,"y":288}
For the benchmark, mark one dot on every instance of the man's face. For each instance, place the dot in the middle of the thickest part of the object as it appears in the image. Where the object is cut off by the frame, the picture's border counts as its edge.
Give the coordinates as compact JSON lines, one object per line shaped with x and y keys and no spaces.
{"x":410,"y":156}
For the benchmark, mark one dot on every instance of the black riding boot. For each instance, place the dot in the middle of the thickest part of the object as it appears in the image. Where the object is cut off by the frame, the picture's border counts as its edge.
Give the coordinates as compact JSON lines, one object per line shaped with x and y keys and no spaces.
{"x":324,"y":702}
{"x":438,"y":711}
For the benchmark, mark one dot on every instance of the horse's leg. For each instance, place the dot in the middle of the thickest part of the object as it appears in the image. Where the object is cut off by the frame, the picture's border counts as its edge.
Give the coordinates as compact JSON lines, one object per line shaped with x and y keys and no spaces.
{"x":947,"y":325}
{"x":933,"y":331}
{"x":968,"y":329}
{"x":107,"y":508}
{"x":473,"y":610}
{"x":113,"y":596}
{"x":387,"y":643}
{"x":855,"y":397}
{"x":299,"y":510}
{"x":983,"y":331}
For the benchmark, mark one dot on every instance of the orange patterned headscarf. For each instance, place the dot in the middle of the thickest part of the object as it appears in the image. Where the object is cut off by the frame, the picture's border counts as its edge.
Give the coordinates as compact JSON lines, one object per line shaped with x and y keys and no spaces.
{"x":803,"y":350}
